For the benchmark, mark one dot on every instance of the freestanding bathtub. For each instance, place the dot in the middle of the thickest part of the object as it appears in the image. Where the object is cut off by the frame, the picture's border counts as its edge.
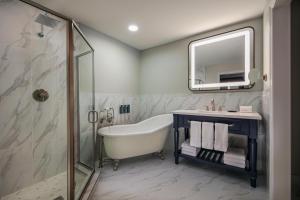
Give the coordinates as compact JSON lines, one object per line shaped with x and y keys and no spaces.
{"x":145,"y":137}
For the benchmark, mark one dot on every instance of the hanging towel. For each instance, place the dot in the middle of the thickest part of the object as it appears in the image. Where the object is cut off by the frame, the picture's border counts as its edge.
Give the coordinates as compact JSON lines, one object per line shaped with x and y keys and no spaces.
{"x":207,"y":135}
{"x":221,"y":137}
{"x":195,"y":132}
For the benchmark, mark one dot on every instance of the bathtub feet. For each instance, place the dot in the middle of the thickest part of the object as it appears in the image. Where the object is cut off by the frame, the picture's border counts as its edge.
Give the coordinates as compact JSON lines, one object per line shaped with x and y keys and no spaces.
{"x":161,"y":155}
{"x":116,"y":165}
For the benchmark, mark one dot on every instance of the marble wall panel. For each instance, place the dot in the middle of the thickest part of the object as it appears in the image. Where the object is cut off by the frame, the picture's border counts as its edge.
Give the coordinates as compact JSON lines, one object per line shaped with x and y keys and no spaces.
{"x":33,"y":135}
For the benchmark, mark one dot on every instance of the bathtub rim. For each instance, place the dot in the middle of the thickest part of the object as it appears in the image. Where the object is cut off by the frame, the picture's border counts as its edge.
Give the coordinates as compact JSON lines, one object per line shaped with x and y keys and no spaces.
{"x":107,"y":134}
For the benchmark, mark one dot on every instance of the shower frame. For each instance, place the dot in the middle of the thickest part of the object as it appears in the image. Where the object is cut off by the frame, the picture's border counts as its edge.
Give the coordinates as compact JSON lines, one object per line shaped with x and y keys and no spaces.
{"x":71,"y":92}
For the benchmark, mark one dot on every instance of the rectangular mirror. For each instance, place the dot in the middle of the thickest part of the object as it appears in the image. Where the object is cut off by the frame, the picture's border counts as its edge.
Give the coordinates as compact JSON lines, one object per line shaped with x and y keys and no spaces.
{"x":222,"y":62}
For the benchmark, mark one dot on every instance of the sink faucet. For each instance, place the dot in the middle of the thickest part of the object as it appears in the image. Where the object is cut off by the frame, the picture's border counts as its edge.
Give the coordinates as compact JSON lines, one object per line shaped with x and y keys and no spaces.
{"x":213,"y":105}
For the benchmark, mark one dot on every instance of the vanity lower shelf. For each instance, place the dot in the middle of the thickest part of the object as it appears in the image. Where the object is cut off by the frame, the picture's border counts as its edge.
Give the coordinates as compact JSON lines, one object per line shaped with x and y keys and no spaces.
{"x":215,"y":162}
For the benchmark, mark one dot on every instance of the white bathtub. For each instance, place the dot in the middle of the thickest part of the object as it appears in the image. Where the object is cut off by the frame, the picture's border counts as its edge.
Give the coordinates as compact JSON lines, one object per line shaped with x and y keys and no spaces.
{"x":145,"y":137}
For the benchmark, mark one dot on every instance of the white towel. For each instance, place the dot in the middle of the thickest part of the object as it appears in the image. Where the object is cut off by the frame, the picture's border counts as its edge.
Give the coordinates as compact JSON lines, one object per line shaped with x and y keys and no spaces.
{"x":236,"y":164}
{"x":194,"y":154}
{"x":195,"y":134}
{"x":188,"y":147}
{"x":207,"y":135}
{"x":235,"y":154}
{"x":221,"y":137}
{"x":239,"y":162}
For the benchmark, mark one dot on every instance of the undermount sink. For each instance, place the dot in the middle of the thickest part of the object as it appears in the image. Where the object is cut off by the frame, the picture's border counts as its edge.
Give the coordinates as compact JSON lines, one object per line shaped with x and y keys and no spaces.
{"x":223,"y":114}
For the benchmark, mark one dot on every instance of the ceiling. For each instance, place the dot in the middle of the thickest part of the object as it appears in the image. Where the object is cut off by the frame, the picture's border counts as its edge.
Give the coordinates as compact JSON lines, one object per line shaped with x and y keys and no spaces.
{"x":159,"y":21}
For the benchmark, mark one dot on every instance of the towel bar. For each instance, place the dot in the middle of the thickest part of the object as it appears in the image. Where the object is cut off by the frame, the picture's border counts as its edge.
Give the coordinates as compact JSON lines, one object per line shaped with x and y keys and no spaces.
{"x":229,"y":125}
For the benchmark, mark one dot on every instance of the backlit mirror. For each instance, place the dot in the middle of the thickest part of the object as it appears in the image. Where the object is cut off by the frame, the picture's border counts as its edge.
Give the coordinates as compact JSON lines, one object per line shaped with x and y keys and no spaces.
{"x":222,"y":62}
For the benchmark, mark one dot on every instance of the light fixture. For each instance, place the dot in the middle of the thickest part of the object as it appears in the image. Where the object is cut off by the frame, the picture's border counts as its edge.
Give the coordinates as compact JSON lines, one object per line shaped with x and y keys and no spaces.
{"x":133,"y":28}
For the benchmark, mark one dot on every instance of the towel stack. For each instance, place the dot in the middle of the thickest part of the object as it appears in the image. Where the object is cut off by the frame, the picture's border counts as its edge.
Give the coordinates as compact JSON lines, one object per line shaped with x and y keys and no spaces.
{"x":187,"y":149}
{"x":235,"y":157}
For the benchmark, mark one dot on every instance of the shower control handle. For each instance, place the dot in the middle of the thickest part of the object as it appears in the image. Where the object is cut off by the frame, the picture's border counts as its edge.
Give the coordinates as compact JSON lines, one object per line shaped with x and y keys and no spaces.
{"x":94,"y":117}
{"x":40,"y":95}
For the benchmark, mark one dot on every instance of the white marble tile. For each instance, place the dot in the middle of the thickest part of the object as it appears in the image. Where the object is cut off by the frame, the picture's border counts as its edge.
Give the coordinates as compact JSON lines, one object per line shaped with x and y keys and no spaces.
{"x":33,"y":139}
{"x":104,"y":100}
{"x":16,"y":169}
{"x":148,"y":178}
{"x":48,"y":189}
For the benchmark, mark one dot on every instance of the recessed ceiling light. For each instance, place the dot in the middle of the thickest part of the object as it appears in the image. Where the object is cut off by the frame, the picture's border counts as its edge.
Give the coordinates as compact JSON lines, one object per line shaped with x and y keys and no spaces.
{"x":133,"y":28}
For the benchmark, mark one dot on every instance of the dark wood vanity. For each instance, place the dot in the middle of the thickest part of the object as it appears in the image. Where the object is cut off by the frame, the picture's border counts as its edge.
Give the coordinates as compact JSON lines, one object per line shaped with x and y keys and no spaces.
{"x":239,"y":123}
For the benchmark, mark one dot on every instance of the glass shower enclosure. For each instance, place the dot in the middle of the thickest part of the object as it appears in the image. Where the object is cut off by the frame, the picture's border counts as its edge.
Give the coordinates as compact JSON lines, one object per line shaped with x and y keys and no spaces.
{"x":47,"y":116}
{"x":86,"y":114}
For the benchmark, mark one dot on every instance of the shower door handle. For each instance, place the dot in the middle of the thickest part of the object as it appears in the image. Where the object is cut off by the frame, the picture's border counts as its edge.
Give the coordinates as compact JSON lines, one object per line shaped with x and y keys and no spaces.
{"x":94,"y":117}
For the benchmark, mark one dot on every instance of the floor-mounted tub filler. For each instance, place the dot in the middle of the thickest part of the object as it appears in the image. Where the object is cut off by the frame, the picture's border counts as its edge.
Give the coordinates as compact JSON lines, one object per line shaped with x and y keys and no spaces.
{"x":126,"y":141}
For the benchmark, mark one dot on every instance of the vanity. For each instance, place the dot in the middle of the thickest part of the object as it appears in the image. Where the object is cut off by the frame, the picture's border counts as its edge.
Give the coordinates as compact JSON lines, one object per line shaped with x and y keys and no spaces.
{"x":239,"y":123}
{"x":222,"y":62}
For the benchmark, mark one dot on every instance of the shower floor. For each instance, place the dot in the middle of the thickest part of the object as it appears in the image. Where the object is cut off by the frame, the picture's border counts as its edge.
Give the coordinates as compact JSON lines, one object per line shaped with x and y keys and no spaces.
{"x":48,"y":189}
{"x":52,"y":188}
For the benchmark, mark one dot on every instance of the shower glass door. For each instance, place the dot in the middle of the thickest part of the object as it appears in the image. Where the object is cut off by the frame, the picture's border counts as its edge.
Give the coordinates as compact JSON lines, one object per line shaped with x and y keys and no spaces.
{"x":86,"y":116}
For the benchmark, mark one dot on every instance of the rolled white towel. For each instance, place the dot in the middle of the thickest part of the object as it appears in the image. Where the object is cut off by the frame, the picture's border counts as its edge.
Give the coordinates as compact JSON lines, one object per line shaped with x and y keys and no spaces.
{"x":194,"y":154}
{"x":221,"y":137}
{"x":235,"y":154}
{"x":185,"y":146}
{"x":207,"y":135}
{"x":235,"y":164}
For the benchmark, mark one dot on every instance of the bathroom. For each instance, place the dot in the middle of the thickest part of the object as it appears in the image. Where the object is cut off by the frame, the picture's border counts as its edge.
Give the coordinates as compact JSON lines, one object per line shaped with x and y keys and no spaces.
{"x":105,"y":100}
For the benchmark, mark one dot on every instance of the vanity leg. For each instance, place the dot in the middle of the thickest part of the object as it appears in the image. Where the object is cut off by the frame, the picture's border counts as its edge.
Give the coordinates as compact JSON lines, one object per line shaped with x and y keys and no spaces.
{"x":253,"y":157}
{"x":176,"y":141}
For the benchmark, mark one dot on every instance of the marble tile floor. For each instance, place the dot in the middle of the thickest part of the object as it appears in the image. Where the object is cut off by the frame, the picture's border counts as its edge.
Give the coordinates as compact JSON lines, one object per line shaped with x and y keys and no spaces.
{"x":48,"y":189}
{"x":149,"y":178}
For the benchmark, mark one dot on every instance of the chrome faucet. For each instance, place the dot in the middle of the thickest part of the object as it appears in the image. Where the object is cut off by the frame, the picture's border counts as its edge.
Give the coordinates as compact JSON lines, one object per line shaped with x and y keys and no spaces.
{"x":110,"y":115}
{"x":106,"y":118}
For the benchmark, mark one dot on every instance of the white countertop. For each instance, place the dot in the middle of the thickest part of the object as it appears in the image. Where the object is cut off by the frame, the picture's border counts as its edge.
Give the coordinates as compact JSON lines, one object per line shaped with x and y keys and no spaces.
{"x":223,"y":114}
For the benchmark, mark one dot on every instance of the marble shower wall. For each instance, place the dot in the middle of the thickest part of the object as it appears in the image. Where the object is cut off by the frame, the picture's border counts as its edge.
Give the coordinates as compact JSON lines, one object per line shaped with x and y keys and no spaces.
{"x":33,"y":135}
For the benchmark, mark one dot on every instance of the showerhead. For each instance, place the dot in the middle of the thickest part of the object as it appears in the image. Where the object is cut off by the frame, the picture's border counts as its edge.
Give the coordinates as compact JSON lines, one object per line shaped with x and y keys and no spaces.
{"x":45,"y":20}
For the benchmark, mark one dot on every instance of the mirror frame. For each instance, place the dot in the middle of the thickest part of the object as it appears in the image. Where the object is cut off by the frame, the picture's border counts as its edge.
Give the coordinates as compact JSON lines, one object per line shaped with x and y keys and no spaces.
{"x":248,"y":33}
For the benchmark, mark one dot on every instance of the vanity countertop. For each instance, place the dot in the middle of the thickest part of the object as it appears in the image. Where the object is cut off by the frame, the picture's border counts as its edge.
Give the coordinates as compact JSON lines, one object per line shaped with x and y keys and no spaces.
{"x":222,"y":114}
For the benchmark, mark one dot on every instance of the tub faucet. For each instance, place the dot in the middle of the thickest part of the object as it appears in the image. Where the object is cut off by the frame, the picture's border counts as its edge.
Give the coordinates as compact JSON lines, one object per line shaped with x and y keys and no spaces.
{"x":110,"y":115}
